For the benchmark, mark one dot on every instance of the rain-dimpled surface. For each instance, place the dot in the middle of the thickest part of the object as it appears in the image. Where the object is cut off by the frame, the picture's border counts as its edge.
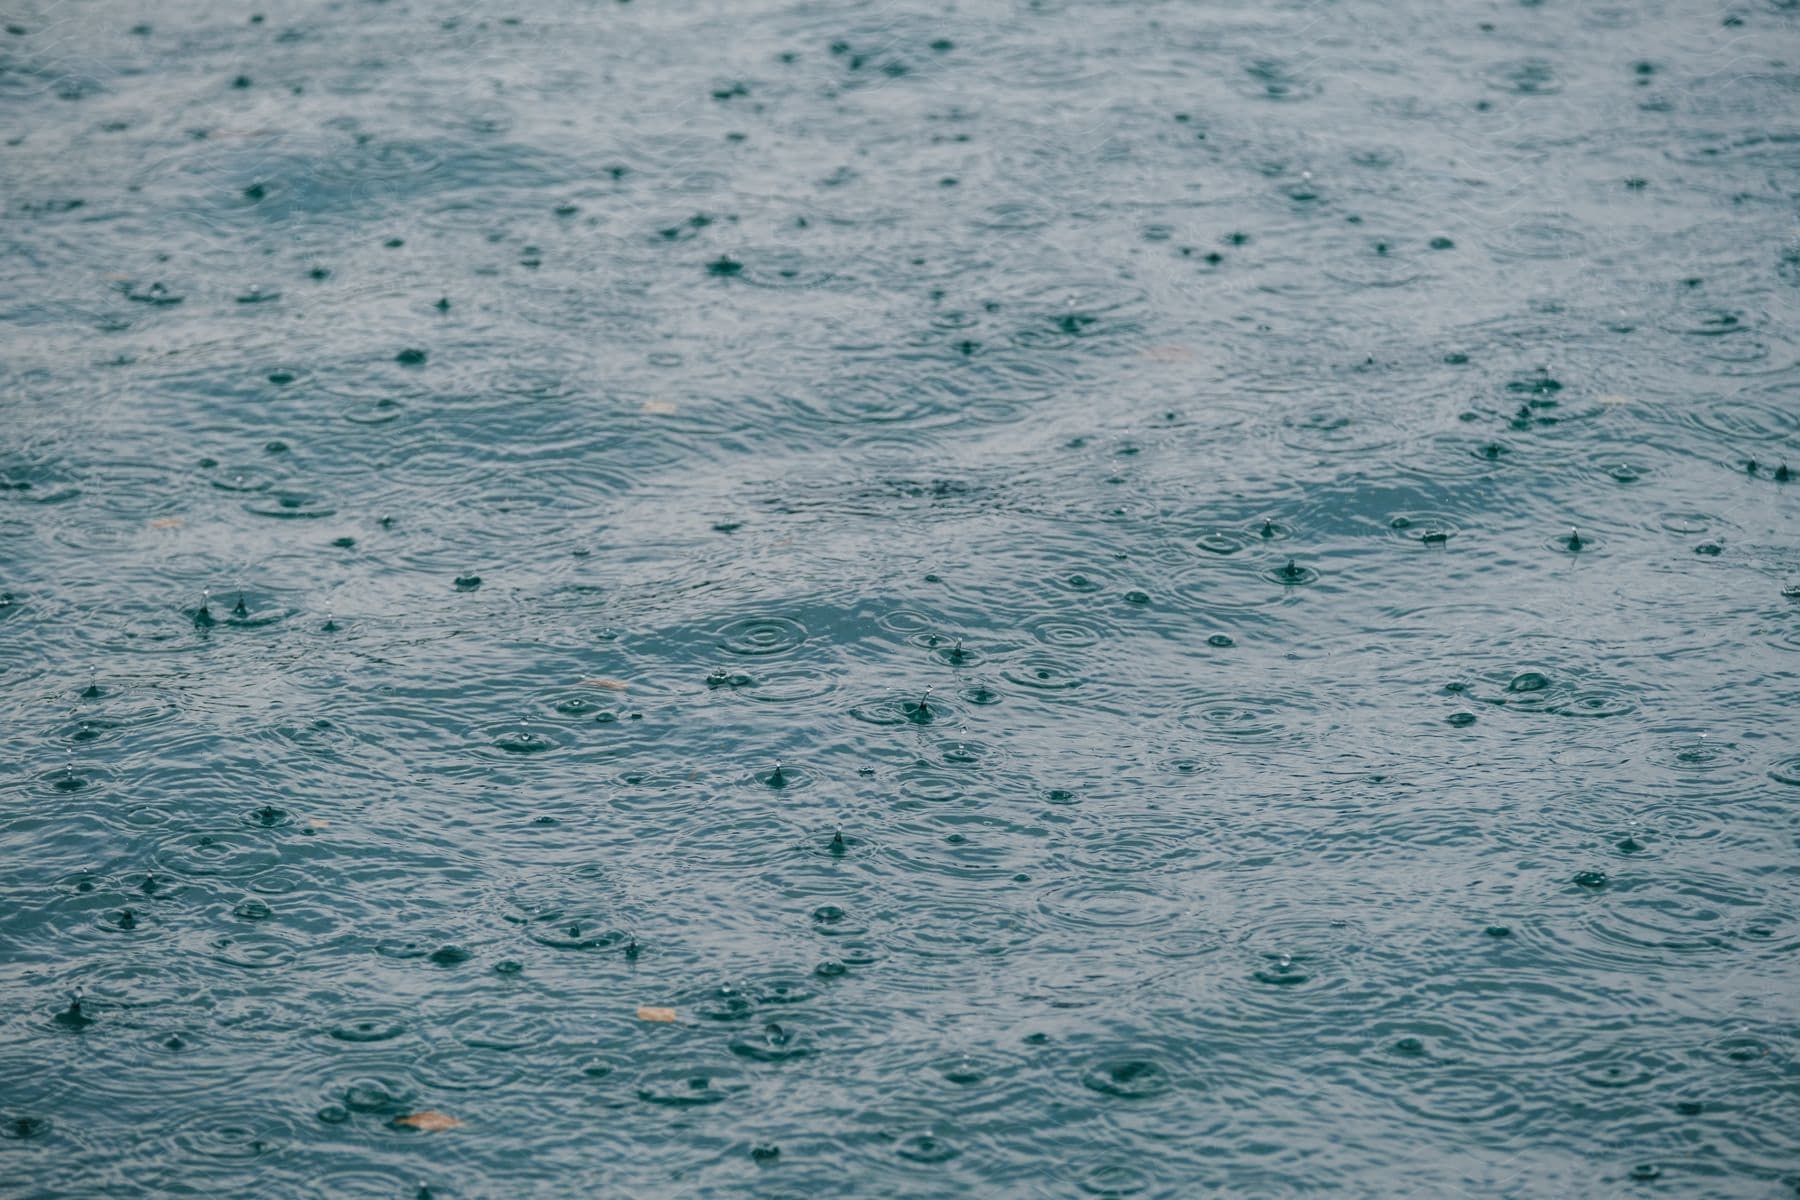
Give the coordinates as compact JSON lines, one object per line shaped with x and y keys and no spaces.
{"x":1258,"y":535}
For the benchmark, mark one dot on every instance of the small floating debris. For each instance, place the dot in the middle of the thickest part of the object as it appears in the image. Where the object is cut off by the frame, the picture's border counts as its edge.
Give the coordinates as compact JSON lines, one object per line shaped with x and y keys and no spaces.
{"x":429,"y":1121}
{"x":655,"y":1014}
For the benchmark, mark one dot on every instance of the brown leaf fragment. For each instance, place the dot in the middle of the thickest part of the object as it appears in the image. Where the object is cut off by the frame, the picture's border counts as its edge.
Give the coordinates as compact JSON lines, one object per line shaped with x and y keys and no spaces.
{"x":429,"y":1121}
{"x":167,"y":523}
{"x":611,"y":685}
{"x":650,"y":1012}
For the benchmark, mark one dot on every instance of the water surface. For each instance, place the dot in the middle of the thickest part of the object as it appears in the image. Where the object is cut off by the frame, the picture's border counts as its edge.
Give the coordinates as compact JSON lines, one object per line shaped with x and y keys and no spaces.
{"x":1106,"y":599}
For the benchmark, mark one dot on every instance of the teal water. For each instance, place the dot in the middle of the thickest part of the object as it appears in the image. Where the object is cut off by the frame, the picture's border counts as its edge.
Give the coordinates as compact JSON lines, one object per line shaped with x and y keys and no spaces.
{"x":1113,"y":600}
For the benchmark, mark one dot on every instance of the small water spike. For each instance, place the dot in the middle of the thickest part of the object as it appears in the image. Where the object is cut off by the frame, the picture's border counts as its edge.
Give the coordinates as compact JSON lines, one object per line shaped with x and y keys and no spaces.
{"x":775,"y":778}
{"x":1782,"y":474}
{"x":330,"y":625}
{"x":93,"y":687}
{"x":919,"y":711}
{"x":1573,"y":541}
{"x":631,"y":949}
{"x":957,"y":654}
{"x":239,"y":610}
{"x":72,"y":1017}
{"x":203,"y":617}
{"x":837,"y":842}
{"x":1268,"y":529}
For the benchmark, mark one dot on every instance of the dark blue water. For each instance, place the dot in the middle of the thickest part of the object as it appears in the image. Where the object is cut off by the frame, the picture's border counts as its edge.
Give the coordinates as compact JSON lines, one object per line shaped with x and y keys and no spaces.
{"x":1105,"y":599}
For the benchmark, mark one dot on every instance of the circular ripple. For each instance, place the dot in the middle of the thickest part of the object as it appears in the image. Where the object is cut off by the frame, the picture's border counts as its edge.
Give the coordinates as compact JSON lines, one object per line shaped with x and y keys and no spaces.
{"x":690,"y":1087}
{"x":1109,"y":904}
{"x":1249,"y":719}
{"x":1128,"y":1078}
{"x":374,"y":1025}
{"x":1422,"y":528}
{"x":1066,"y":633}
{"x":240,"y":1133}
{"x":1043,"y":674}
{"x":227,"y":855}
{"x":761,"y":636}
{"x":577,"y":931}
{"x":290,"y":505}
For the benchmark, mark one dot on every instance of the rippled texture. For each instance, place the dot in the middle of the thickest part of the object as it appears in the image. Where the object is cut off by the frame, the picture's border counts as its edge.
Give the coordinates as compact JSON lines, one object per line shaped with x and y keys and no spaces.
{"x":1106,"y":599}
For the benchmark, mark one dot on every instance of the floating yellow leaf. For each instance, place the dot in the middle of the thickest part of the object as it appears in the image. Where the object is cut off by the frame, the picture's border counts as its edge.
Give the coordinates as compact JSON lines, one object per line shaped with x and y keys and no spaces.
{"x":649,"y":1012}
{"x":428,"y":1121}
{"x":611,"y":685}
{"x":661,"y":408}
{"x":166,"y":523}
